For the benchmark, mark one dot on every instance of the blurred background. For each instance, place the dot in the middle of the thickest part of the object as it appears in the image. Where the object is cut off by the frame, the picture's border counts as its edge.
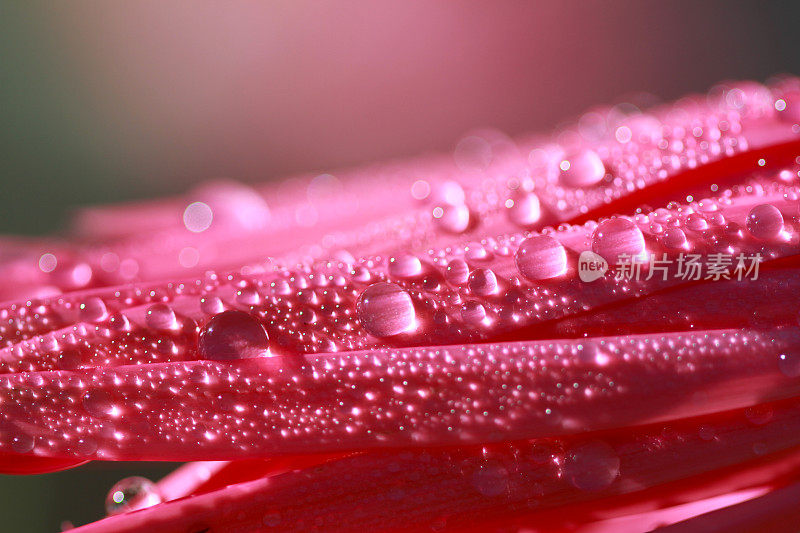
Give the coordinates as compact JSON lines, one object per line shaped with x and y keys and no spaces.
{"x":109,"y":101}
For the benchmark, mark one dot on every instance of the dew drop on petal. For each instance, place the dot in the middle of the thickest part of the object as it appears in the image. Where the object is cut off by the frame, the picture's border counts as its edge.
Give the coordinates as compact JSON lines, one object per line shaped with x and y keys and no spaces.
{"x":232,"y":335}
{"x":765,"y":222}
{"x":525,"y":210}
{"x":581,"y":169}
{"x":452,"y":218}
{"x":483,"y":282}
{"x":541,"y":257}
{"x":132,"y":493}
{"x":472,"y":312}
{"x":405,"y":266}
{"x":385,"y":309}
{"x":22,"y":442}
{"x":674,"y":238}
{"x":93,"y":310}
{"x":591,"y":466}
{"x":457,"y":272}
{"x":161,"y":317}
{"x":617,"y":236}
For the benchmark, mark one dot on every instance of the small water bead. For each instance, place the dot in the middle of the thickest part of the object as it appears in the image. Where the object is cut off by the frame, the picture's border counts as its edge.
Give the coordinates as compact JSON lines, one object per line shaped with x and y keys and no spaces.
{"x":405,"y":266}
{"x":591,"y":466}
{"x":581,"y":169}
{"x":524,"y":210}
{"x":472,"y":312}
{"x":457,"y":272}
{"x":119,"y":322}
{"x":541,"y":257}
{"x":161,"y":317}
{"x":69,"y":359}
{"x":452,"y":218}
{"x":765,"y":222}
{"x":385,"y":309}
{"x":22,"y":442}
{"x":483,"y":282}
{"x":617,"y":236}
{"x":132,"y":493}
{"x":233,"y":335}
{"x":248,"y":296}
{"x":93,"y":310}
{"x":674,"y":238}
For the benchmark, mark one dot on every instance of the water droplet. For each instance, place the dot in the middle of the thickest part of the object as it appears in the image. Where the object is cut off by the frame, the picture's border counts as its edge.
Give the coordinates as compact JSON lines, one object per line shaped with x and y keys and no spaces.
{"x":93,"y":310}
{"x":457,"y":272}
{"x":525,"y":210}
{"x":161,"y":317}
{"x":132,"y":493}
{"x":405,"y":266}
{"x":483,"y":282}
{"x":472,"y":312}
{"x":765,"y":222}
{"x":69,"y":359}
{"x":232,"y":335}
{"x":617,"y":236}
{"x":385,"y":309}
{"x":674,"y":238}
{"x":211,"y":305}
{"x":591,"y":466}
{"x":452,"y":218}
{"x":541,"y":257}
{"x":696,"y":222}
{"x":581,"y":169}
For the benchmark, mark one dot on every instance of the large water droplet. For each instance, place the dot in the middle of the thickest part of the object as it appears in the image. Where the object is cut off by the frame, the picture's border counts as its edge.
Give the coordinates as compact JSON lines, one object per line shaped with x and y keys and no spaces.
{"x":132,"y":493}
{"x":617,"y":236}
{"x":765,"y":222}
{"x":674,"y":238}
{"x":233,"y":335}
{"x":385,"y":309}
{"x":591,"y":466}
{"x":581,"y":169}
{"x":541,"y":257}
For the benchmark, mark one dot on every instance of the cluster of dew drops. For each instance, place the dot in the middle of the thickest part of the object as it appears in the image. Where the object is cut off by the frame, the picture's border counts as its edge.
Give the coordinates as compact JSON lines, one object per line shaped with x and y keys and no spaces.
{"x":406,"y":298}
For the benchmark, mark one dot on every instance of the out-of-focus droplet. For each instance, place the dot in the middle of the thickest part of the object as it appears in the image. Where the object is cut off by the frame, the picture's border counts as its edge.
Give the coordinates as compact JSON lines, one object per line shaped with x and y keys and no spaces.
{"x":615,"y":237}
{"x":385,"y":309}
{"x":591,"y":466}
{"x":524,"y":210}
{"x":132,"y":493}
{"x":581,"y":169}
{"x":233,"y":335}
{"x":541,"y":257}
{"x":765,"y":222}
{"x":452,"y":218}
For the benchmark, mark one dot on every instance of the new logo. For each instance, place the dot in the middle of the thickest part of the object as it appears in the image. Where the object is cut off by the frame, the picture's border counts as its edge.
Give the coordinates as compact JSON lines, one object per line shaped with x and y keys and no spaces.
{"x":591,"y":266}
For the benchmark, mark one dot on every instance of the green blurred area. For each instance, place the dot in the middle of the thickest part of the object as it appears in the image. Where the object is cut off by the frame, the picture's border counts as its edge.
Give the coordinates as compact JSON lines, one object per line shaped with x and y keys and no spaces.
{"x":48,"y":502}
